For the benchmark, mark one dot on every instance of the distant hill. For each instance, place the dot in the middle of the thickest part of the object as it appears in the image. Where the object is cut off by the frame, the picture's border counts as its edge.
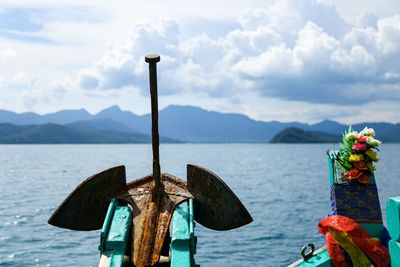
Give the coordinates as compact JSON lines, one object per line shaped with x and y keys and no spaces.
{"x":194,"y":124}
{"x":297,"y":135}
{"x":129,"y":119}
{"x":102,"y":125}
{"x":391,"y":134}
{"x":60,"y":134}
{"x":30,"y":118}
{"x":189,"y":124}
{"x":327,"y":126}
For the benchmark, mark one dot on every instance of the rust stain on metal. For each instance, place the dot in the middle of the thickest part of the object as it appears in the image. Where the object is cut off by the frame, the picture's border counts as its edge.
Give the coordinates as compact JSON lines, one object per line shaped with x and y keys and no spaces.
{"x":151,"y":218}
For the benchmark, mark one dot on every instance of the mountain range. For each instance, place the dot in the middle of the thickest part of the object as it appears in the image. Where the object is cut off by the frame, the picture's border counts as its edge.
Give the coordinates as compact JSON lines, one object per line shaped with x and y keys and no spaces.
{"x":176,"y":124}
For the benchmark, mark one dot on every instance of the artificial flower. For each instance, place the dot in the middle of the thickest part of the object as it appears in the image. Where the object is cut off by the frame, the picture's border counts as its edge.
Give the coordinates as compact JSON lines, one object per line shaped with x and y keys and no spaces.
{"x":373,"y":142}
{"x":352,"y":136}
{"x":357,"y":154}
{"x":362,"y":139}
{"x":368,"y":132}
{"x":361,"y":165}
{"x":356,"y":175}
{"x":356,"y":157}
{"x":363,"y":179}
{"x":370,"y":166}
{"x":359,"y":146}
{"x":372,"y":155}
{"x":352,"y":174}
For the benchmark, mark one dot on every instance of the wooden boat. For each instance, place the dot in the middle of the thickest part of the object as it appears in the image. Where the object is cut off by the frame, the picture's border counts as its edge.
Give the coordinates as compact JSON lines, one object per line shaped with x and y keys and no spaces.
{"x":361,"y":203}
{"x":150,"y":221}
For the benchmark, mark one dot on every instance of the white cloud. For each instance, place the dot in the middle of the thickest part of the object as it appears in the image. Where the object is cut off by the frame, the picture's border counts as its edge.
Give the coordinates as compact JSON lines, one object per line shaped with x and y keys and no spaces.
{"x":297,"y":51}
{"x":294,"y":50}
{"x":23,"y":79}
{"x":123,"y":65}
{"x":313,"y":46}
{"x":355,"y":61}
{"x":366,"y":20}
{"x":7,"y":54}
{"x":389,"y":35}
{"x":276,"y":61}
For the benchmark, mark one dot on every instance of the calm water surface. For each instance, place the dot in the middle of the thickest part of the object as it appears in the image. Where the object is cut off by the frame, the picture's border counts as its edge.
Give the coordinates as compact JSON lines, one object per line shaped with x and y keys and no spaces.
{"x":284,"y":187}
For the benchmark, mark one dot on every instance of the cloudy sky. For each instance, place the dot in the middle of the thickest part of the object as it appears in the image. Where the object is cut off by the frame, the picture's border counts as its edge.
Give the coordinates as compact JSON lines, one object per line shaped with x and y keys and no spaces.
{"x":285,"y":60}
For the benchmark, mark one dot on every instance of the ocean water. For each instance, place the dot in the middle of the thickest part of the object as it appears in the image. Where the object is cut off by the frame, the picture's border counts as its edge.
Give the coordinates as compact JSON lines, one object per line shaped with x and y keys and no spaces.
{"x":284,"y":187}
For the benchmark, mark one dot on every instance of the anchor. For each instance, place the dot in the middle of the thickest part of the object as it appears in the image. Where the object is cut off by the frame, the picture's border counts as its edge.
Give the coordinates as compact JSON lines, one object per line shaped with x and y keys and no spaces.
{"x":152,"y":198}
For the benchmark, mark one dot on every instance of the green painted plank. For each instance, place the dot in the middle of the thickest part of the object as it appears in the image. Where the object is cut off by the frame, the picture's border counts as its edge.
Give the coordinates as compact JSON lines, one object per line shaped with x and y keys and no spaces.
{"x":373,"y":229}
{"x":330,"y":167}
{"x":180,"y":237}
{"x":393,"y":217}
{"x":112,"y":259}
{"x":115,"y":234}
{"x":394,"y":250}
{"x":319,"y":259}
{"x":118,"y":234}
{"x":183,"y":240}
{"x":106,"y":224}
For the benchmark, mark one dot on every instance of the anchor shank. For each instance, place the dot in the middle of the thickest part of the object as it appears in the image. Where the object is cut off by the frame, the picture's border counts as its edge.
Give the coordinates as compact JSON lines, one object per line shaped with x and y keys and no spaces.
{"x":152,"y":60}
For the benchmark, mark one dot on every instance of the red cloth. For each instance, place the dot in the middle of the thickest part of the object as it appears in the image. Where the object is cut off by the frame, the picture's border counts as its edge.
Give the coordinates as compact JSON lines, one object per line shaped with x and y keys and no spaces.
{"x":376,"y":252}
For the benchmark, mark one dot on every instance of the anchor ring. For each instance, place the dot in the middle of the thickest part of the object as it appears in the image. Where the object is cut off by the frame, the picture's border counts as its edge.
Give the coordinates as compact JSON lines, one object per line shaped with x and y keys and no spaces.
{"x":309,"y":254}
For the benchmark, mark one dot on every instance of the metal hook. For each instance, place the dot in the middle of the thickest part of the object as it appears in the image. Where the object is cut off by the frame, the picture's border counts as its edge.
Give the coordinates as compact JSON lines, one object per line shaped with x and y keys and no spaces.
{"x":309,"y":254}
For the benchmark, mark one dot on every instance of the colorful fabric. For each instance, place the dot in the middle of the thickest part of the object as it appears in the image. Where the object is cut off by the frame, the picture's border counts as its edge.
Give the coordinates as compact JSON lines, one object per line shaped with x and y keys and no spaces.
{"x":334,"y":251}
{"x":358,"y":202}
{"x":357,"y":256}
{"x":355,"y":240}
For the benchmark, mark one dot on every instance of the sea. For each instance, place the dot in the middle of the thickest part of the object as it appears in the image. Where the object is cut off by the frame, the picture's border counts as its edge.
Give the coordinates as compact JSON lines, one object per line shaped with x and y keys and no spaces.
{"x":284,"y":187}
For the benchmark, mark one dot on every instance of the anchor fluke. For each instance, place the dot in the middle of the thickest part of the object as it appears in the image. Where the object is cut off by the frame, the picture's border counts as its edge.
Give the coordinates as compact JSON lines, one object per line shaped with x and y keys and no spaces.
{"x":215,"y":205}
{"x":85,"y":207}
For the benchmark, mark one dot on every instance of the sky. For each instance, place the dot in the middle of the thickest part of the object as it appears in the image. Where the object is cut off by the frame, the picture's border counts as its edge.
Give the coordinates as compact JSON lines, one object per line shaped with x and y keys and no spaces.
{"x":282,"y":60}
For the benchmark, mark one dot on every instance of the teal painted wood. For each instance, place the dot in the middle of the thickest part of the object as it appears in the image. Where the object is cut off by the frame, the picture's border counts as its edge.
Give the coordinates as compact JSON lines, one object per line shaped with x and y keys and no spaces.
{"x":115,"y":234}
{"x":120,"y":227}
{"x":393,"y":217}
{"x":331,"y":162}
{"x":183,"y":240}
{"x":393,"y":222}
{"x":394,"y":250}
{"x":319,"y":259}
{"x":373,"y":229}
{"x":106,"y":223}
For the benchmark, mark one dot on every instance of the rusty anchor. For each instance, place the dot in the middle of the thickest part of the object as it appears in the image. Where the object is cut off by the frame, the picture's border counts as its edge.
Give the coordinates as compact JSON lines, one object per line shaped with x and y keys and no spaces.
{"x":152,"y":198}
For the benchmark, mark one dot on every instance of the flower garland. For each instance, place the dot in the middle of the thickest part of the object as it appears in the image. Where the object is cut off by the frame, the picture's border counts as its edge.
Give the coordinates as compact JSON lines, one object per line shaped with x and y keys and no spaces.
{"x":357,"y":154}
